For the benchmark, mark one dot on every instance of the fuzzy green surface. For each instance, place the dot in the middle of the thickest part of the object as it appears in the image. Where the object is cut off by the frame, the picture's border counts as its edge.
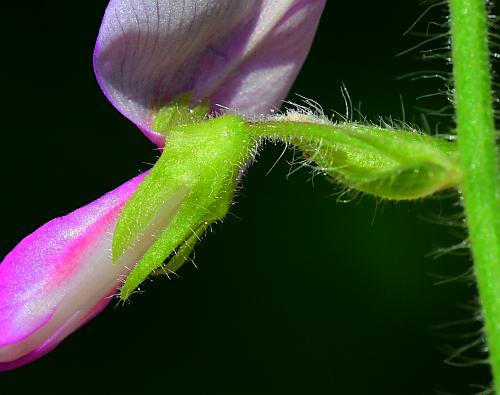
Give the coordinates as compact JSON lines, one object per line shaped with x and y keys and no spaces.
{"x":191,"y":185}
{"x":479,"y":159}
{"x":179,"y":112}
{"x":387,"y":163}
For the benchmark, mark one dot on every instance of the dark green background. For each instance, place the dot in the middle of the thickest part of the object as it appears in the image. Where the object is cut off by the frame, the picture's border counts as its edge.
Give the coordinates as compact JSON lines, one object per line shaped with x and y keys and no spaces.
{"x":295,"y":292}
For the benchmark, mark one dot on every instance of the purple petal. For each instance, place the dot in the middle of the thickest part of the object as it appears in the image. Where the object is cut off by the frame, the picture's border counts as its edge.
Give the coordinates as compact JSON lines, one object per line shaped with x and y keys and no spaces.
{"x":59,"y":277}
{"x":239,"y":54}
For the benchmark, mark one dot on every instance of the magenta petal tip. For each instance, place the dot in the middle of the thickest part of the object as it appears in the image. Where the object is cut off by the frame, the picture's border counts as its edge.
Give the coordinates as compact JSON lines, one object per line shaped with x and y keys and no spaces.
{"x":59,"y":277}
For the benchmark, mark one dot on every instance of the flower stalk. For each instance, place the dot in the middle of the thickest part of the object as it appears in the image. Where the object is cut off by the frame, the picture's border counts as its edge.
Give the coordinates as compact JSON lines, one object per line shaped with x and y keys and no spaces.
{"x":388,"y":163}
{"x":478,"y":159}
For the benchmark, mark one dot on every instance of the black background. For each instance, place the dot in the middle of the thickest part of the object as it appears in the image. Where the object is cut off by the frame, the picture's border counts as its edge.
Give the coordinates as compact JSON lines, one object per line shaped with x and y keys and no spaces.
{"x":295,"y":292}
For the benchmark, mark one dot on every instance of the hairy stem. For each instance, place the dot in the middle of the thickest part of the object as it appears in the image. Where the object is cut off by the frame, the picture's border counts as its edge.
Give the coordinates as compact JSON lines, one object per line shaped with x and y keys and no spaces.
{"x":392,"y":164}
{"x":478,"y":159}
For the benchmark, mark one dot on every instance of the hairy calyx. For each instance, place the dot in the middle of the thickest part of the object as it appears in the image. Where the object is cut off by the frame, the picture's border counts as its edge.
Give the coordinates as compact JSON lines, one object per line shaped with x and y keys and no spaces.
{"x":194,"y":181}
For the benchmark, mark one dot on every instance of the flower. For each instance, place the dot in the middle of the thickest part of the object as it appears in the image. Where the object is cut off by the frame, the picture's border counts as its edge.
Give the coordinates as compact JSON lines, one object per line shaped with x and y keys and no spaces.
{"x":238,"y":55}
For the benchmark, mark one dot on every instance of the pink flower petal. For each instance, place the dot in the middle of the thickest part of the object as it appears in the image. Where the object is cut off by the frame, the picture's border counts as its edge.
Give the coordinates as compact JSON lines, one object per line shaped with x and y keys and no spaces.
{"x":59,"y":277}
{"x":239,"y":54}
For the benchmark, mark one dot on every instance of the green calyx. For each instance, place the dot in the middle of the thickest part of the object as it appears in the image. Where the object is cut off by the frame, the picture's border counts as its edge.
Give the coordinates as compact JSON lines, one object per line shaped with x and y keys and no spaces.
{"x":192,"y":185}
{"x":194,"y":181}
{"x":393,"y":164}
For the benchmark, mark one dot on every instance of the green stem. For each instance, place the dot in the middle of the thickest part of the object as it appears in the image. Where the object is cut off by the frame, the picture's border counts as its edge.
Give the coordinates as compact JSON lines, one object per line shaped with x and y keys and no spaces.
{"x":478,"y":157}
{"x":389,"y":163}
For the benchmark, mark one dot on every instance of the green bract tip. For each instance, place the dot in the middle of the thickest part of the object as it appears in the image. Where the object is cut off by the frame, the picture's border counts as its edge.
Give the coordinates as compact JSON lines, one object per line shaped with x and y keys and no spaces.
{"x":178,"y":112}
